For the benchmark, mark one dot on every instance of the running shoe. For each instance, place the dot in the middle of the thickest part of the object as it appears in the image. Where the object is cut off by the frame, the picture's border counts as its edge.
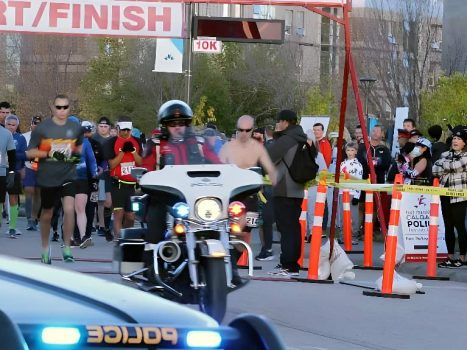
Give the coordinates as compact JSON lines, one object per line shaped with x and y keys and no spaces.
{"x":67,"y":255}
{"x":108,"y":236}
{"x":101,"y":231}
{"x":12,"y":233}
{"x":265,"y":255}
{"x":284,"y":273}
{"x":32,"y":225}
{"x":86,"y":242}
{"x":45,"y":257}
{"x":55,"y":237}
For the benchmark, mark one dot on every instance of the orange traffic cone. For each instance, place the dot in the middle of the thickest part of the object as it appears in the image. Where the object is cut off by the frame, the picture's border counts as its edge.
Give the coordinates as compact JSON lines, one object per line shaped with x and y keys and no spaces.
{"x":433,"y":239}
{"x":317,"y":230}
{"x":391,"y":247}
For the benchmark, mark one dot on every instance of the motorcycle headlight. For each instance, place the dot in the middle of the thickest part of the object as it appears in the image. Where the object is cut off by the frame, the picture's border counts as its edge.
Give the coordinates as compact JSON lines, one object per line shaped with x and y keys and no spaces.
{"x":208,"y":209}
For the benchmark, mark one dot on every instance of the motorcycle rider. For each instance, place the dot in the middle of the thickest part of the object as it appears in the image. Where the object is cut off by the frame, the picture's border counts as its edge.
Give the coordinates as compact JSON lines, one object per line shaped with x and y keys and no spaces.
{"x":178,"y":146}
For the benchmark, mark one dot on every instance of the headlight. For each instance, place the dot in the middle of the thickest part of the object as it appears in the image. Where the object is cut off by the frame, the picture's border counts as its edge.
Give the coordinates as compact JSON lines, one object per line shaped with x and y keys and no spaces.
{"x":208,"y":209}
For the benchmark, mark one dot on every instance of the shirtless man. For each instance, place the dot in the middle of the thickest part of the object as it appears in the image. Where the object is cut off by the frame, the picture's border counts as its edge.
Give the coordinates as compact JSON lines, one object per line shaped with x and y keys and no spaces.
{"x":245,"y":152}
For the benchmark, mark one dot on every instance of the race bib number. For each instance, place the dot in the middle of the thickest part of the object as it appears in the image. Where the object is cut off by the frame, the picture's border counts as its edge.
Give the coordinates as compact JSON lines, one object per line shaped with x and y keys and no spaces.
{"x":252,"y":219}
{"x":126,"y":168}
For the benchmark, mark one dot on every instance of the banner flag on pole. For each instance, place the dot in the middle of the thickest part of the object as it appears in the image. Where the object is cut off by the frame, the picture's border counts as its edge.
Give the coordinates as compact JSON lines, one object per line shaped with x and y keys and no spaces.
{"x":169,"y":56}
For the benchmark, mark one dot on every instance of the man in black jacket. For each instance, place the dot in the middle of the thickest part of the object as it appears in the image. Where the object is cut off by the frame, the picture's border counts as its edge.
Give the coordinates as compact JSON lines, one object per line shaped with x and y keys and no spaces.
{"x":288,"y":194}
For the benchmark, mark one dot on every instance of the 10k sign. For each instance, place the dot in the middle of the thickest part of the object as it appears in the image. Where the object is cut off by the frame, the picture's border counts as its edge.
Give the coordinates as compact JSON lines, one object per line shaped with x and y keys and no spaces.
{"x":207,"y":46}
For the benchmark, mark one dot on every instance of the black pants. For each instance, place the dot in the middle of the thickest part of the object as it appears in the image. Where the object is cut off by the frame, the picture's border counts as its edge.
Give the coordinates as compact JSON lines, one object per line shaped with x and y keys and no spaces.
{"x":454,"y":217}
{"x":287,"y":214}
{"x":268,"y":218}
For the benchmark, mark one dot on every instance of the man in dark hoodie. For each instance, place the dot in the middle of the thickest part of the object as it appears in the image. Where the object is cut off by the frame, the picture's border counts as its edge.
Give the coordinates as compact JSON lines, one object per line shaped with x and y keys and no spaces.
{"x":288,"y":194}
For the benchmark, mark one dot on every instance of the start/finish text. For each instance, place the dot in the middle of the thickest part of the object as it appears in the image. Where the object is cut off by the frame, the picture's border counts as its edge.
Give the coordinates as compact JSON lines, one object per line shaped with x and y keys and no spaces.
{"x":93,"y":17}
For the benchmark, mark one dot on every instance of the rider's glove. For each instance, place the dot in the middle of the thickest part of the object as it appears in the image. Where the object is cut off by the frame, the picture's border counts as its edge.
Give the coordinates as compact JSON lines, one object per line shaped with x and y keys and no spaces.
{"x":10,"y":180}
{"x":128,"y":147}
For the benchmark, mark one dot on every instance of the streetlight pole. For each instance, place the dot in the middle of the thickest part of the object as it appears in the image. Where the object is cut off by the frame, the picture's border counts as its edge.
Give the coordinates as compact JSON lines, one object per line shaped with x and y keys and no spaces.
{"x":366,"y":83}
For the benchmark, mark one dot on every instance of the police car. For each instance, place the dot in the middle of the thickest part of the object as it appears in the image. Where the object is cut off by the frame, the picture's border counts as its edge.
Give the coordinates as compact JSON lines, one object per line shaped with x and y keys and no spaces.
{"x":45,"y":307}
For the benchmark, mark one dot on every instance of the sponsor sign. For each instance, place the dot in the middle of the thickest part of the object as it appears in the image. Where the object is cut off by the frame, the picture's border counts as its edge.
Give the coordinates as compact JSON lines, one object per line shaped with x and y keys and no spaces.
{"x":93,"y":17}
{"x":169,"y":56}
{"x":414,"y":226}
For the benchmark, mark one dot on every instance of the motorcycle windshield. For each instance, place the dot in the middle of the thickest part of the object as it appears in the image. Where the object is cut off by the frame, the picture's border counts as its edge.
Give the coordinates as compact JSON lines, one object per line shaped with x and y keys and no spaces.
{"x":190,"y":183}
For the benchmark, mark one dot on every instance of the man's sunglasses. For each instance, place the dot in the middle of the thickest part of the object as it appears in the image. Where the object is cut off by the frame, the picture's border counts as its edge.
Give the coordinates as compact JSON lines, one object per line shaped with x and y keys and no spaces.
{"x":127,"y":130}
{"x":62,"y":107}
{"x":244,"y":130}
{"x":175,"y":123}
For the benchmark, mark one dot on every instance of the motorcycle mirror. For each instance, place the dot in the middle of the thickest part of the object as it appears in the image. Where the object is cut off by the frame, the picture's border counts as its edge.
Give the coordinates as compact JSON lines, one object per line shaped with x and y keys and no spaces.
{"x":138,"y":172}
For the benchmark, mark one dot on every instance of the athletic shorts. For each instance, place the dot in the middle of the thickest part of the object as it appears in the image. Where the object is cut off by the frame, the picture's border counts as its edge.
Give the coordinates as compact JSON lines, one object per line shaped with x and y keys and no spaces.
{"x":2,"y":188}
{"x":17,"y":187}
{"x":50,"y":195}
{"x":30,"y":178}
{"x":121,"y":194}
{"x":81,"y":186}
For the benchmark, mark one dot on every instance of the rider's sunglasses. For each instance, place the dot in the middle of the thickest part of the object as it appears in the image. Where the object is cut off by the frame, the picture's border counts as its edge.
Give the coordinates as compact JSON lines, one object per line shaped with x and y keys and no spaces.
{"x":62,"y":107}
{"x":244,"y":130}
{"x":175,"y":123}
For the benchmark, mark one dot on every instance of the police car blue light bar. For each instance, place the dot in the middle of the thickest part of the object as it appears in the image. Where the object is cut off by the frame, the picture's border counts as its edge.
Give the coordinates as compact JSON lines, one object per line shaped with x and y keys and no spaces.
{"x":61,"y":335}
{"x":203,"y":339}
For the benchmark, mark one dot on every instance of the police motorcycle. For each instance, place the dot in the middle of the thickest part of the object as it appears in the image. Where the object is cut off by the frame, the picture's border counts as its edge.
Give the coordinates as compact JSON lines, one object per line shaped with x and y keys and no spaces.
{"x":193,"y":264}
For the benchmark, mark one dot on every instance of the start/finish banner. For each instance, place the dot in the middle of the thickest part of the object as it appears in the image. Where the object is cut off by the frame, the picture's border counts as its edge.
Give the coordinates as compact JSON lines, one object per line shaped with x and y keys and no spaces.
{"x":93,"y":17}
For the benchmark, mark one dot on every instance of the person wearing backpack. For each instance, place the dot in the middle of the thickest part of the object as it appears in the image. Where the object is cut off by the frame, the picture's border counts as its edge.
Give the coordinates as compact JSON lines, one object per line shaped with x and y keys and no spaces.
{"x":288,"y":193}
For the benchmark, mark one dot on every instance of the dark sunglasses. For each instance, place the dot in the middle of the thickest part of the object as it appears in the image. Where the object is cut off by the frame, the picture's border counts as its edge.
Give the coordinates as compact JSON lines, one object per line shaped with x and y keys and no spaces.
{"x":175,"y":123}
{"x":127,"y":130}
{"x":62,"y":107}
{"x":244,"y":130}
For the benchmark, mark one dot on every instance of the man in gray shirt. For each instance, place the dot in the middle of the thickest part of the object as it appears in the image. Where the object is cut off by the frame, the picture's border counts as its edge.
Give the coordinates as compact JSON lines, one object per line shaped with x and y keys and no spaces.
{"x":56,"y":142}
{"x":7,"y":165}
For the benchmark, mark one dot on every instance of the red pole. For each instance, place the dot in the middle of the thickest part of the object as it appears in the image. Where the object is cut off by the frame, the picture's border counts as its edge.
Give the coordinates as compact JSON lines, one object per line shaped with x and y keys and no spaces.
{"x":361,"y":119}
{"x":340,"y":140}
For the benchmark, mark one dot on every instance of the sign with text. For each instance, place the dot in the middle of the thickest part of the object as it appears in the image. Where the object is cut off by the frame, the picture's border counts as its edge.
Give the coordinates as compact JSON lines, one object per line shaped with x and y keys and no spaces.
{"x":93,"y":17}
{"x":414,"y":226}
{"x":207,"y":45}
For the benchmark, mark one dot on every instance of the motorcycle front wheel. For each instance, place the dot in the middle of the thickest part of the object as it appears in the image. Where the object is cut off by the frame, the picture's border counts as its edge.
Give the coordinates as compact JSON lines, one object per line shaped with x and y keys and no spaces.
{"x":213,"y":296}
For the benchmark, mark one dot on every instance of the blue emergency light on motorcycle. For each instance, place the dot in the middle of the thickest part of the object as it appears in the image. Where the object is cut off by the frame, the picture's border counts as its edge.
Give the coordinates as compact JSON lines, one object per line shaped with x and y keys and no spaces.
{"x":61,"y":335}
{"x":181,"y":210}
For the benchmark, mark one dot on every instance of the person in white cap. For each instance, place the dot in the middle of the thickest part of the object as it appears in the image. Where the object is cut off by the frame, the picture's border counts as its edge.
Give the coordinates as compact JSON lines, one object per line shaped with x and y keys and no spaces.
{"x":123,"y":153}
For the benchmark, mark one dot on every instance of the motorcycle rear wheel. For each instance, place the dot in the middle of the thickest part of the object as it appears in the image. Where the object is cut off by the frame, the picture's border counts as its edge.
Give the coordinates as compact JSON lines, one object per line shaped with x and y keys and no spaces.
{"x":213,"y":296}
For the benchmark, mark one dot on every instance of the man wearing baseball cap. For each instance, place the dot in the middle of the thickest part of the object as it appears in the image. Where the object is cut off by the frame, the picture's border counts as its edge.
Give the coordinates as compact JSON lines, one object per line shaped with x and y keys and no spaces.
{"x":288,"y":194}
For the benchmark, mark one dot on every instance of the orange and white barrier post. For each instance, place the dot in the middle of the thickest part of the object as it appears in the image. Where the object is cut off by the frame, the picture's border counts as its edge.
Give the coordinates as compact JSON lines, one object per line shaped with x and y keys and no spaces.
{"x":433,"y":239}
{"x":301,"y":260}
{"x":242,"y":262}
{"x":368,"y":231}
{"x":368,"y":234}
{"x":317,"y":230}
{"x":391,"y":247}
{"x":347,"y":220}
